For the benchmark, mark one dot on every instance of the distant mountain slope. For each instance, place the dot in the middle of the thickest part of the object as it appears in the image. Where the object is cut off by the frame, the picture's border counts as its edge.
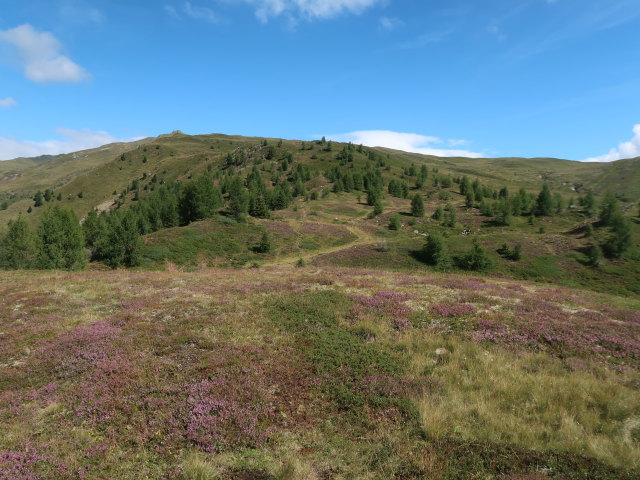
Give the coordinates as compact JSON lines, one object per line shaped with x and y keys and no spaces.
{"x":96,"y":174}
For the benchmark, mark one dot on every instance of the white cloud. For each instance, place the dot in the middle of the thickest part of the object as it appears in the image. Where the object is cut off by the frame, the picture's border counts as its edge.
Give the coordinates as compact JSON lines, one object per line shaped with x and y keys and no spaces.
{"x":407,"y":142}
{"x":69,"y":141}
{"x":390,"y":24}
{"x":630,"y":149}
{"x":200,"y":13}
{"x":171,"y":11}
{"x":7,"y":102}
{"x":41,"y":57}
{"x":309,"y":9}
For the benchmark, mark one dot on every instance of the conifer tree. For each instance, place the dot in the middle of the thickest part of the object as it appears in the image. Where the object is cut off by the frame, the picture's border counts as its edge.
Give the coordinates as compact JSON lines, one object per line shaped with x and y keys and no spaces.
{"x":476,"y":259}
{"x":258,"y":206}
{"x":60,"y":241}
{"x":450,"y":217}
{"x":435,"y":252}
{"x":621,"y":237}
{"x":119,"y":243}
{"x":38,"y":199}
{"x":417,"y":206}
{"x":439,"y":213}
{"x":377,"y":208}
{"x":609,"y":210}
{"x":594,"y":255}
{"x":394,"y":222}
{"x":17,"y":246}
{"x":544,"y":202}
{"x":92,"y":227}
{"x":265,"y":243}
{"x":589,"y":203}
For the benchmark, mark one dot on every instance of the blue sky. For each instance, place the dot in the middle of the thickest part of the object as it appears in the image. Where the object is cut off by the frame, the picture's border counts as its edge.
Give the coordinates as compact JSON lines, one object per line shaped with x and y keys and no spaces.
{"x":528,"y":78}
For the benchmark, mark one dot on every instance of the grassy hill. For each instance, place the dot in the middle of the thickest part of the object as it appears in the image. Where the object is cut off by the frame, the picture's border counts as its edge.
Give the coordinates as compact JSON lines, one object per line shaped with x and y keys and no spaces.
{"x":99,"y":172}
{"x":554,"y":246}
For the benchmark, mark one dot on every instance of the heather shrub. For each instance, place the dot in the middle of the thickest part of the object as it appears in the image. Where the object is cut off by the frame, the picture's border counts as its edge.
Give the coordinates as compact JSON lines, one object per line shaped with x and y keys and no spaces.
{"x":227,"y":411}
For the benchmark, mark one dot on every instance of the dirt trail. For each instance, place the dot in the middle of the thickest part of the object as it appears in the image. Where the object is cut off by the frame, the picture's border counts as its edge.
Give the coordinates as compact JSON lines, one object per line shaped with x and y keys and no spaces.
{"x":362,"y":238}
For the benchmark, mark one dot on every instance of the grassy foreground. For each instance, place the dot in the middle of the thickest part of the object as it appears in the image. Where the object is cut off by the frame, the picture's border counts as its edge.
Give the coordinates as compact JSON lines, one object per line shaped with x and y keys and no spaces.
{"x":311,"y":373}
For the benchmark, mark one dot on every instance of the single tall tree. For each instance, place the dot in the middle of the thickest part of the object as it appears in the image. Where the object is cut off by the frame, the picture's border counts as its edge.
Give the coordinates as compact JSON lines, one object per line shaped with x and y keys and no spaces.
{"x":417,"y":206}
{"x":545,"y":203}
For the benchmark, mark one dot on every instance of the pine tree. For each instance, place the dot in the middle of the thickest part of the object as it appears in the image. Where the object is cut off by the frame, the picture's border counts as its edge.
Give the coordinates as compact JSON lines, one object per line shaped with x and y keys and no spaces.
{"x":417,"y":206}
{"x":373,"y":196}
{"x":476,"y":259}
{"x":516,"y":253}
{"x":450,"y":217}
{"x":589,"y":203}
{"x":377,"y":208}
{"x":394,"y":222}
{"x":621,"y":237}
{"x":594,"y":255}
{"x":544,"y":202}
{"x":38,"y":199}
{"x":119,"y":241}
{"x":265,"y":243}
{"x":200,"y":199}
{"x":435,"y":252}
{"x":258,"y":206}
{"x":439,"y":213}
{"x":92,"y":227}
{"x":17,"y":246}
{"x":609,"y":210}
{"x":60,"y":241}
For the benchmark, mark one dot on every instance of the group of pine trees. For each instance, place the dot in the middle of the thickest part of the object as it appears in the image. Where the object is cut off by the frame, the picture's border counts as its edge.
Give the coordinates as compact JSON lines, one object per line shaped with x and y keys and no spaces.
{"x":436,"y":253}
{"x":58,"y":243}
{"x":617,"y":236}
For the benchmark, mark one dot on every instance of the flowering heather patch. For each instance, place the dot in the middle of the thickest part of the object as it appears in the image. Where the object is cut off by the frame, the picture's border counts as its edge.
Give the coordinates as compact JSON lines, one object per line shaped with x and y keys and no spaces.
{"x":401,"y":323}
{"x":448,"y":309}
{"x":336,"y":232}
{"x":227,"y":411}
{"x":279,"y":228}
{"x":386,"y":303}
{"x":79,"y":349}
{"x":27,"y":464}
{"x":540,"y":325}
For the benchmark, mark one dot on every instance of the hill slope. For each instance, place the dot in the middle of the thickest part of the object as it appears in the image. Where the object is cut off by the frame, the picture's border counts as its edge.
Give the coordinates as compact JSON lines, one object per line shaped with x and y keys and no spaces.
{"x":554,"y":247}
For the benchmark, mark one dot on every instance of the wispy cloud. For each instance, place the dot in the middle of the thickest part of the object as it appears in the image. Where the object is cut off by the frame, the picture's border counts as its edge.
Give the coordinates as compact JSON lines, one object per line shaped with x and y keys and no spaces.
{"x":7,"y":102}
{"x":630,"y":149}
{"x":309,"y":9}
{"x":388,"y":24}
{"x":69,"y":141}
{"x":40,"y":54}
{"x":571,"y":19}
{"x":197,"y":12}
{"x":427,"y":38}
{"x":81,"y":12}
{"x":407,"y":142}
{"x":200,"y":13}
